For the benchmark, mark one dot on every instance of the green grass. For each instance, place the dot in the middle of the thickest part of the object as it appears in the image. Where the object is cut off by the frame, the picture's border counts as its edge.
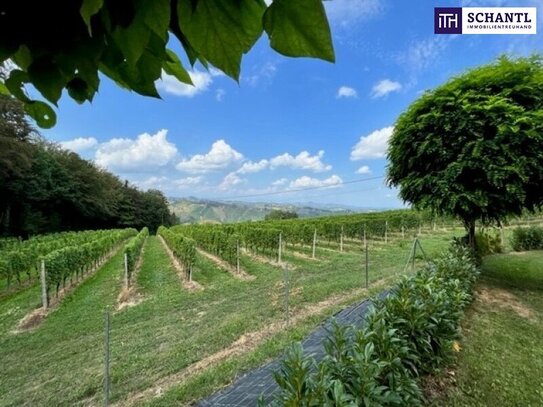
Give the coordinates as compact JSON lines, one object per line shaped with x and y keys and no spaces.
{"x":501,"y":363}
{"x":61,"y":362}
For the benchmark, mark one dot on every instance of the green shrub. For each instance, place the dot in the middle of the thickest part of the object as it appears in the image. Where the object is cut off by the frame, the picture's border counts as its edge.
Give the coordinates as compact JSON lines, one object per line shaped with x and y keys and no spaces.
{"x":530,"y":238}
{"x":486,"y":243}
{"x":408,"y":333}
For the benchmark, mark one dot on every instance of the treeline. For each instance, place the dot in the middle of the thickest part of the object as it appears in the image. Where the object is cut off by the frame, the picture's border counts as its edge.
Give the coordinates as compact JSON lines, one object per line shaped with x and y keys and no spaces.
{"x":45,"y":189}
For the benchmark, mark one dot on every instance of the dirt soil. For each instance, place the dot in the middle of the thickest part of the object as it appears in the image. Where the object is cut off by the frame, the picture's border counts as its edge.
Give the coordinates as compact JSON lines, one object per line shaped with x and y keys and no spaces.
{"x":504,"y":299}
{"x":129,"y":297}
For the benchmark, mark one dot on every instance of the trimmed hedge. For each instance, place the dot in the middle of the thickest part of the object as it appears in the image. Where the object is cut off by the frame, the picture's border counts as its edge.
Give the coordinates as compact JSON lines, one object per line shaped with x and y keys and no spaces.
{"x":409,"y":333}
{"x":530,"y":238}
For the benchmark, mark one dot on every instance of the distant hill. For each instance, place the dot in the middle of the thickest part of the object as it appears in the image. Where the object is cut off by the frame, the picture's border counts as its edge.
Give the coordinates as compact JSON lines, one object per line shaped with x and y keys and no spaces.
{"x":194,"y":210}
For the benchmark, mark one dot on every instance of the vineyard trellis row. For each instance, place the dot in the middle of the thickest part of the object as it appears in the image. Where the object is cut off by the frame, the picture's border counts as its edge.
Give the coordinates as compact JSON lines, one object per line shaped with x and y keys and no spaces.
{"x":77,"y":259}
{"x":264,"y":237}
{"x":182,"y":247}
{"x":132,"y":251}
{"x":22,"y":257}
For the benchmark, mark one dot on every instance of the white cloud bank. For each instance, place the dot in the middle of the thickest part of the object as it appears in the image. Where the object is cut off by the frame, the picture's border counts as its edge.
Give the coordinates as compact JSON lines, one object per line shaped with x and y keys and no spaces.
{"x":308,"y":182}
{"x":346,"y":92}
{"x":373,"y":145}
{"x":145,"y":152}
{"x":79,"y":144}
{"x":384,"y":87}
{"x":303,"y":161}
{"x":364,"y":170}
{"x":221,"y":156}
{"x":170,"y":84}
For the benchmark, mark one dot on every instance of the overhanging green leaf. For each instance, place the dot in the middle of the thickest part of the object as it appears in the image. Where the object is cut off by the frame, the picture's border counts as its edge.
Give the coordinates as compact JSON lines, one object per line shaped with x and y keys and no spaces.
{"x":41,"y":112}
{"x":88,"y":9}
{"x":47,"y":78}
{"x":222,"y":30}
{"x":156,"y":15}
{"x":299,"y":28}
{"x":172,"y":66}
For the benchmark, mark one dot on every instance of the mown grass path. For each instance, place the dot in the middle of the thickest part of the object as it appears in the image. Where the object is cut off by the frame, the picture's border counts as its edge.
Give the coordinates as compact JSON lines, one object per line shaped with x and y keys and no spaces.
{"x":501,"y":363}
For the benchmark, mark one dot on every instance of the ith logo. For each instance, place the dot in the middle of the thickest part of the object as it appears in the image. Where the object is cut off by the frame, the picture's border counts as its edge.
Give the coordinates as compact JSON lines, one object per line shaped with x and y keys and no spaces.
{"x":448,"y":20}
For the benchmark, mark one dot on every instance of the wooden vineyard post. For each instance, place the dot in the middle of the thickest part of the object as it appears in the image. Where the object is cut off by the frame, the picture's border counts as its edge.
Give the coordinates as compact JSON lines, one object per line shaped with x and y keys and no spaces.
{"x":435,"y":226}
{"x":420,"y":229}
{"x":285,"y":275}
{"x":341,"y":240}
{"x":367,"y":265}
{"x":237,"y":256}
{"x":386,"y":231}
{"x":403,"y":232}
{"x":502,"y":236}
{"x":106,"y":358}
{"x":314,"y":243}
{"x":44,"y":298}
{"x":414,"y":254}
{"x":280,"y":248}
{"x":190,"y":273}
{"x":126,"y":271}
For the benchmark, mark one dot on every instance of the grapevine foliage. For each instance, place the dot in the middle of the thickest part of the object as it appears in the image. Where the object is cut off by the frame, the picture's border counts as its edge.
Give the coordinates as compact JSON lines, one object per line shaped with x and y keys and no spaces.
{"x":133,"y":250}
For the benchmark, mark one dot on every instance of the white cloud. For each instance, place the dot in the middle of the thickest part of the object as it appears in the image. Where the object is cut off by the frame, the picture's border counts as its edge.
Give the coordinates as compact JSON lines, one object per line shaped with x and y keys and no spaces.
{"x":220,"y":156}
{"x":365,"y":170}
{"x":219,"y":94}
{"x":79,"y":144}
{"x":384,"y":87}
{"x":280,"y":182}
{"x":304,"y":161}
{"x":346,"y":92}
{"x":145,"y":152}
{"x":265,"y":72}
{"x":187,"y":182}
{"x":420,"y":54}
{"x":153,"y":182}
{"x":251,"y":167}
{"x":231,"y":180}
{"x":308,"y":182}
{"x":201,"y":80}
{"x":347,"y":12}
{"x":373,"y":145}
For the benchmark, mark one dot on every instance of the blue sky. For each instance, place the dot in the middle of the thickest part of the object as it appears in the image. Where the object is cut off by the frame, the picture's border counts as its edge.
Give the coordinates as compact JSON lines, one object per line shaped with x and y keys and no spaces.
{"x":289,"y":124}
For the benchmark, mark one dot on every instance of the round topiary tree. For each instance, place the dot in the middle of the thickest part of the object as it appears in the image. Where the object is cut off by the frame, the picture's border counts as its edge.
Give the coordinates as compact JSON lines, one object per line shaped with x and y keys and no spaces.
{"x":473,"y":147}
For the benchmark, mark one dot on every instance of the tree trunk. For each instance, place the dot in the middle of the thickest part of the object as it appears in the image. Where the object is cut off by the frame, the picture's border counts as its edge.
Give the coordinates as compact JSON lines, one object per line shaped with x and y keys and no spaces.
{"x":470,"y":229}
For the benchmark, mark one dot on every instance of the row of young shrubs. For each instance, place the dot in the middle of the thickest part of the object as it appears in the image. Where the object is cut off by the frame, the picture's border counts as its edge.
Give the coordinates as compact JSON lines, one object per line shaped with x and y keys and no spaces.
{"x":409,"y":333}
{"x":530,"y":238}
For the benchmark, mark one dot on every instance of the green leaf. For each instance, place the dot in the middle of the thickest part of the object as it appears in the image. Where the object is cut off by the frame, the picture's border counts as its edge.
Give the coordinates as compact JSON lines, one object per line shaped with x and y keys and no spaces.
{"x":299,"y":28}
{"x":3,"y":89}
{"x":173,"y":66}
{"x":15,"y":82}
{"x":221,"y":30}
{"x":156,"y":15}
{"x":41,"y":112}
{"x":47,"y":78}
{"x":88,"y":9}
{"x":132,"y":40}
{"x":79,"y":90}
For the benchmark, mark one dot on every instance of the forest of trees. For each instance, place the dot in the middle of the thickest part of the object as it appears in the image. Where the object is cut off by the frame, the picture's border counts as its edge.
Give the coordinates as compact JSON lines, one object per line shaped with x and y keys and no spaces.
{"x":44,"y":188}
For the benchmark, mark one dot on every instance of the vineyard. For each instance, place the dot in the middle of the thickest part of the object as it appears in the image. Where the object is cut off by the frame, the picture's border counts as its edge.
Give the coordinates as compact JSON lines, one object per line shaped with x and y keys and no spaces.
{"x":302,"y":271}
